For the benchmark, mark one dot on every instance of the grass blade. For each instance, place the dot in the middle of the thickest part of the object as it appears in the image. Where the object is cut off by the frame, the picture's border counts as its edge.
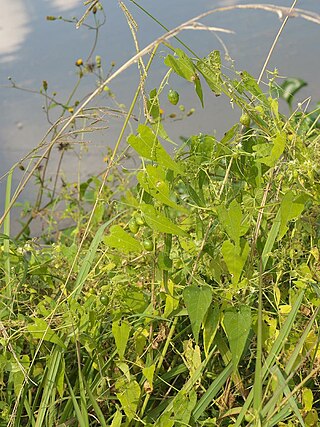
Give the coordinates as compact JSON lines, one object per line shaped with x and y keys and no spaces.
{"x":275,"y":350}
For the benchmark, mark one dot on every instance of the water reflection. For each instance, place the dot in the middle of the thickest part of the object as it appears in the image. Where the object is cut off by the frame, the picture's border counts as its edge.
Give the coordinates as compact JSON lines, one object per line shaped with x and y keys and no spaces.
{"x":15,"y":24}
{"x":14,"y":28}
{"x":63,"y":5}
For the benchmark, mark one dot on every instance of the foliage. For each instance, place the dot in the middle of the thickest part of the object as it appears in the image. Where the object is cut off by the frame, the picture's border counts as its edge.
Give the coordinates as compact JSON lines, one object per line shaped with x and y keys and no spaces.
{"x":213,"y":322}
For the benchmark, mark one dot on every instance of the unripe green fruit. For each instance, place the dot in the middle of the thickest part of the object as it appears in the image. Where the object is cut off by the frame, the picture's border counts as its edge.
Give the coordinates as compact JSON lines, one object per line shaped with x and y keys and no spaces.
{"x":148,"y":245}
{"x":139,"y":220}
{"x":104,"y":299}
{"x":133,"y":226}
{"x":245,"y":120}
{"x":173,"y":97}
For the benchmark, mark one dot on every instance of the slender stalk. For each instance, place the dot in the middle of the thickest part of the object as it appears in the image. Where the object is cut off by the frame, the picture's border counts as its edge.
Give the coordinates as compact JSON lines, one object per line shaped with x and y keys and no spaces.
{"x":6,"y":243}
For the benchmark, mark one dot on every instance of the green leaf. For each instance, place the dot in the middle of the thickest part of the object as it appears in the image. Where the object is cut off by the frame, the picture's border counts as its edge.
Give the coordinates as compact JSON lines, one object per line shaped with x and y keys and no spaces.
{"x":290,"y":87}
{"x":164,"y":261}
{"x":274,"y":151}
{"x":272,"y":234}
{"x":164,"y":421}
{"x":154,"y":181}
{"x":183,"y":406}
{"x":134,"y":299}
{"x":237,"y":324}
{"x":159,"y":222}
{"x":210,"y":68}
{"x":198,"y":89}
{"x":210,"y":328}
{"x":231,"y":219}
{"x":197,"y":300}
{"x":148,"y":372}
{"x":291,"y":207}
{"x":154,"y":111}
{"x":60,"y":378}
{"x":191,"y":356}
{"x":117,"y":419}
{"x":93,"y":400}
{"x":121,"y":331}
{"x":129,"y":399}
{"x":234,"y":258}
{"x":307,"y":399}
{"x":122,"y":240}
{"x":229,"y":135}
{"x":89,"y":258}
{"x":171,"y":302}
{"x":252,"y":86}
{"x":181,"y":65}
{"x":148,"y":146}
{"x":41,"y":330}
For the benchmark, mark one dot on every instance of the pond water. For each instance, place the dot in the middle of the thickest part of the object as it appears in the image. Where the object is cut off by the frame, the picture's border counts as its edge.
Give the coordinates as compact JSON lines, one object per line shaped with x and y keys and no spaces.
{"x":33,"y":49}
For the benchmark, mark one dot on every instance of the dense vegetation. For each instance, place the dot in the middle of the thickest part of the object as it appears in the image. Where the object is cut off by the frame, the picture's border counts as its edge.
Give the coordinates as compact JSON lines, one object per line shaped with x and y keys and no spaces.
{"x":189,"y":297}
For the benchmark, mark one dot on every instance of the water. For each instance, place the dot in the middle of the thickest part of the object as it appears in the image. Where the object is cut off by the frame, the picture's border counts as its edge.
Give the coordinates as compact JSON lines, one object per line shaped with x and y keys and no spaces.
{"x":33,"y":49}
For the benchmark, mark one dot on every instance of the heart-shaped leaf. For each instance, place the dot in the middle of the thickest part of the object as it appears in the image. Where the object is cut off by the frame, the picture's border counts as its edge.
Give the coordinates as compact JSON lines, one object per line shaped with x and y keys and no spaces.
{"x":197,"y":300}
{"x":237,"y":324}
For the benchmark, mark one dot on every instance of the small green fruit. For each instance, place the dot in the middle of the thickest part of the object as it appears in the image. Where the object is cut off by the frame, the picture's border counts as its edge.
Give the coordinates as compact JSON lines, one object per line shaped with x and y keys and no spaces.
{"x":259,"y":109}
{"x":173,"y":97}
{"x":148,"y":245}
{"x":133,"y":226}
{"x":139,"y":220}
{"x":245,"y":120}
{"x":104,"y":299}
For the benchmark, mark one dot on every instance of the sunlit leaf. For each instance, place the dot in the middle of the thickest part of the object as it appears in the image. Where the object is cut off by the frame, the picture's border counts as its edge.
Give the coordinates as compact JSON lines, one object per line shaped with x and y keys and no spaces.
{"x":307,"y":399}
{"x":159,"y":222}
{"x":252,"y":86}
{"x":129,"y":399}
{"x":198,"y":89}
{"x":192,"y":356}
{"x":274,"y":151}
{"x":120,"y":239}
{"x":148,"y":372}
{"x":121,"y":331}
{"x":235,"y":258}
{"x":210,"y":328}
{"x":165,"y":421}
{"x":181,"y":65}
{"x":210,"y":68}
{"x":42,"y":331}
{"x":197,"y":300}
{"x":154,"y":110}
{"x":291,"y":207}
{"x":171,"y":302}
{"x":231,"y":218}
{"x":116,"y":422}
{"x":148,"y":146}
{"x":183,"y":406}
{"x":154,"y":181}
{"x":237,"y":324}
